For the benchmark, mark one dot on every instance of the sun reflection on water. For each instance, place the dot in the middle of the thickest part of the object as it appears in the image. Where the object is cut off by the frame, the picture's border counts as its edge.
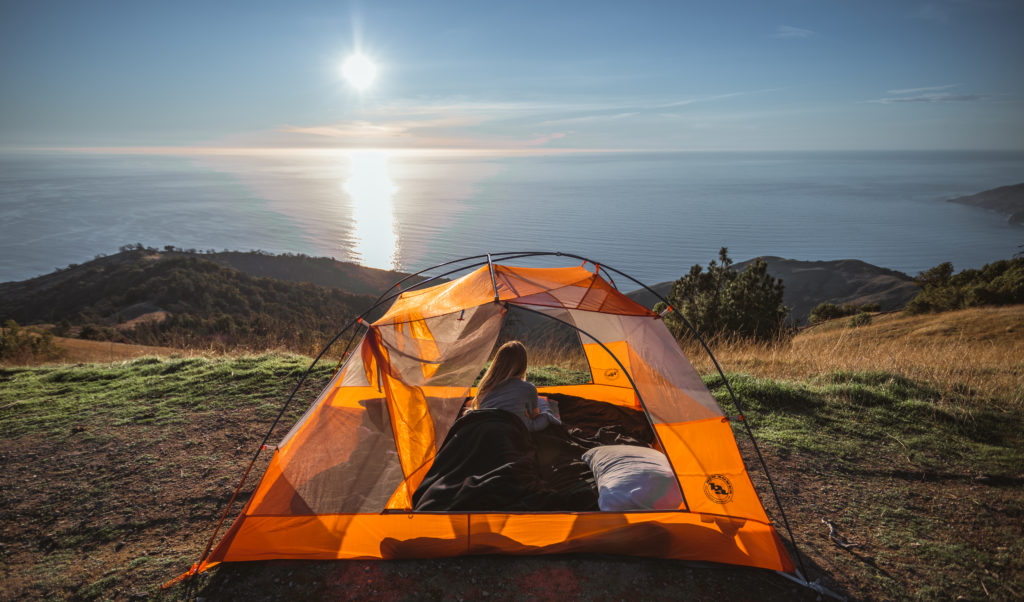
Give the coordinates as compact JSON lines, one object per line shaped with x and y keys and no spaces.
{"x":371,"y":190}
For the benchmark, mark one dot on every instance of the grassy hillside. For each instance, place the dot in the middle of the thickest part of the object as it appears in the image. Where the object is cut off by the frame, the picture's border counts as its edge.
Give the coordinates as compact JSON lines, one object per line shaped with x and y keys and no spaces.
{"x":905,"y":434}
{"x":975,"y":352}
{"x":180,"y":300}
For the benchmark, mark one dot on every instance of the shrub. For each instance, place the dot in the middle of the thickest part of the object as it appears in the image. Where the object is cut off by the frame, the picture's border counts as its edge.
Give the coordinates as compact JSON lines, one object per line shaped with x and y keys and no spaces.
{"x":998,"y":283}
{"x":826,"y":311}
{"x":90,"y":332}
{"x":830,"y":311}
{"x":861,"y":319}
{"x":724,"y":301}
{"x":20,"y":345}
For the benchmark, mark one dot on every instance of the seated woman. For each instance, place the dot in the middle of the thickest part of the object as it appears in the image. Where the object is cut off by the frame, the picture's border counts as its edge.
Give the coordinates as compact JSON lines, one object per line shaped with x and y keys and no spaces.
{"x":503,"y":388}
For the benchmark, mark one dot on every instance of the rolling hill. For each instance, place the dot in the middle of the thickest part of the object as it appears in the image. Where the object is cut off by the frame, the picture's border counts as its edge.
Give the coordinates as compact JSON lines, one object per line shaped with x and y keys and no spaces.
{"x":180,"y":299}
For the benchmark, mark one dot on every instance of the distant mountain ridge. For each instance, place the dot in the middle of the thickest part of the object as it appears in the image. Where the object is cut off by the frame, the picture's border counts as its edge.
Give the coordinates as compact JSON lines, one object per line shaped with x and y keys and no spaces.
{"x":1005,"y":199}
{"x":221,"y":293}
{"x":323,"y":271}
{"x":808,"y":283}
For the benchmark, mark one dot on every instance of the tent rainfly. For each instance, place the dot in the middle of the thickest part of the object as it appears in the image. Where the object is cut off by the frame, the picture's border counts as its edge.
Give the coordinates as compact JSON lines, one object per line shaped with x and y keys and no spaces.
{"x":341,"y":484}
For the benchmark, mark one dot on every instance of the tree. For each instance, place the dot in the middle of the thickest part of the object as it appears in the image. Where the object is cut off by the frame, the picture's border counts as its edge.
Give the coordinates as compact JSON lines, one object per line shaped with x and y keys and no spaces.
{"x":724,"y":301}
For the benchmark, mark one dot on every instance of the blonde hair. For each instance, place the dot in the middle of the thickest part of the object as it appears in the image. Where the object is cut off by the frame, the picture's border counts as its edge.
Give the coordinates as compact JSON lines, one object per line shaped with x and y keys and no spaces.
{"x":509,"y":362}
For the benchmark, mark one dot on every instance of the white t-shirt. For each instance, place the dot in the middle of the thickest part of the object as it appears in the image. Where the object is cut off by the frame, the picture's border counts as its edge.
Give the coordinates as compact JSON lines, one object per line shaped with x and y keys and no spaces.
{"x":514,"y":395}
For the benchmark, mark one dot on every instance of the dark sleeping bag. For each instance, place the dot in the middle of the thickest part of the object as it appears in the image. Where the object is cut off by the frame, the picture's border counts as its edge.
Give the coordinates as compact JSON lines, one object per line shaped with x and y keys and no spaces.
{"x":488,"y":462}
{"x":592,"y":423}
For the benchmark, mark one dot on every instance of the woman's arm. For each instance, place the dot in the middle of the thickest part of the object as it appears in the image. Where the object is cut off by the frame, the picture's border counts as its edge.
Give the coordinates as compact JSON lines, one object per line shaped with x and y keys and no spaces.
{"x":531,"y":402}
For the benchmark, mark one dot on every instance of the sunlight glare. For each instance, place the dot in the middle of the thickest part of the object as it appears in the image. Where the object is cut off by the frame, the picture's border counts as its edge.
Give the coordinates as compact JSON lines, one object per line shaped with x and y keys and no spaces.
{"x":359,"y":71}
{"x":370,"y":189}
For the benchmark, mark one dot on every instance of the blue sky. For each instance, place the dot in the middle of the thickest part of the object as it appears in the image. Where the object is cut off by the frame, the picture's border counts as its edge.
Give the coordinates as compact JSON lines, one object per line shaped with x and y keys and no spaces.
{"x":787,"y":75}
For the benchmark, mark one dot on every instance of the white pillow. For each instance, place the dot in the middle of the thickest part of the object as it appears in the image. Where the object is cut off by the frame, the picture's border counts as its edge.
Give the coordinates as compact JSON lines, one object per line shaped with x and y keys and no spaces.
{"x":630,"y":477}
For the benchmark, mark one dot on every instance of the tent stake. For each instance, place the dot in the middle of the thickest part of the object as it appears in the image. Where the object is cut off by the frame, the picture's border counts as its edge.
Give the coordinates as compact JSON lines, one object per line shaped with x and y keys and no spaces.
{"x":811,"y":585}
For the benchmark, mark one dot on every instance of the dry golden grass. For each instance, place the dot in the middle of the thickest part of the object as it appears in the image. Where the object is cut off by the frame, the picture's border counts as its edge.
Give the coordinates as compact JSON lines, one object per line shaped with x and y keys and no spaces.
{"x":82,"y":351}
{"x":974,"y":350}
{"x":977,"y":351}
{"x":551,"y":354}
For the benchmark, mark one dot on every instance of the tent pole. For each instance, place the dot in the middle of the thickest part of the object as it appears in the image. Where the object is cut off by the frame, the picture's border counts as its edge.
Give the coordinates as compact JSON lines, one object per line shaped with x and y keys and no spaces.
{"x":494,"y":281}
{"x":739,"y":407}
{"x":728,"y":386}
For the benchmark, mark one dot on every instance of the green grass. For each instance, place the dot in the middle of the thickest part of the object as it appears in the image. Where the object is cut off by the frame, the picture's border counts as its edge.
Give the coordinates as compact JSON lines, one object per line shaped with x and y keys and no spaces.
{"x":845,"y":416}
{"x":547,"y":376}
{"x":54,"y":399}
{"x":896,"y":463}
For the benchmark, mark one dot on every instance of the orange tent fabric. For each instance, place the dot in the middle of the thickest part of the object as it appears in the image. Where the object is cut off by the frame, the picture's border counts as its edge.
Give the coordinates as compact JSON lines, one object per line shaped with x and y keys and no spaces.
{"x":340,"y":483}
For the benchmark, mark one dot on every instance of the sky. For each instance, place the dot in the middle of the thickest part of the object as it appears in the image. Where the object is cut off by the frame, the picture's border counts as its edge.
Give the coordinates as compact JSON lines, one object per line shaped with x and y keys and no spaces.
{"x":519,"y":76}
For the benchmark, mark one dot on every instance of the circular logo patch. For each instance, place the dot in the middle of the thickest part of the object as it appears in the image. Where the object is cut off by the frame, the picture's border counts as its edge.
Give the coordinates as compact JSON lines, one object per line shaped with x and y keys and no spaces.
{"x":718,"y":489}
{"x":611,"y":373}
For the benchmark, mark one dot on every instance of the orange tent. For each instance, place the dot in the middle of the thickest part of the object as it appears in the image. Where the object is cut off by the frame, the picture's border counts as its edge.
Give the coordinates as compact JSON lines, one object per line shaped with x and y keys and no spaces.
{"x":340,"y":483}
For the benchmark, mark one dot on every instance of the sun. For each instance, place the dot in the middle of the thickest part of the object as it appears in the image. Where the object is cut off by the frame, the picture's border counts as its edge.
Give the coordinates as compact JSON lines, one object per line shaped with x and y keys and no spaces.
{"x":359,"y":72}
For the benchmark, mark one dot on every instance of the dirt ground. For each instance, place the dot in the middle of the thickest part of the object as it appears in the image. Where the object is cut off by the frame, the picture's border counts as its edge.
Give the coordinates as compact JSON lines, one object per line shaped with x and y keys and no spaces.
{"x":104,"y":512}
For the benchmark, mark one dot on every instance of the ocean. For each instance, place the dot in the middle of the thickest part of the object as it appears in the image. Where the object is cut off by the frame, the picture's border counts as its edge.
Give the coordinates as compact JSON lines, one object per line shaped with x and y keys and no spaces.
{"x":649,"y":214}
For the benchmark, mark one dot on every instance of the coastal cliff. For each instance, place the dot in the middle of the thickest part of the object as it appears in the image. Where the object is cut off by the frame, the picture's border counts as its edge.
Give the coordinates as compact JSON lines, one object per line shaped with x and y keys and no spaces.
{"x":1005,"y":199}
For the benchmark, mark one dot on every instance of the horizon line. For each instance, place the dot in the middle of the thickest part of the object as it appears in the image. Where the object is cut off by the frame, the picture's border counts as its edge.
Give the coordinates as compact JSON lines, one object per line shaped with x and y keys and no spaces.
{"x":324,"y":151}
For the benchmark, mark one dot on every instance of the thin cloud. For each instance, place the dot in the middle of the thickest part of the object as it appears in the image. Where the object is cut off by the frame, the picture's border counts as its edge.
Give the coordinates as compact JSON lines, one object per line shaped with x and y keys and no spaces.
{"x":625,"y":111}
{"x":423,"y":133}
{"x":355,"y":129}
{"x":464,"y":123}
{"x":931,"y":98}
{"x":926,"y":89}
{"x":364,"y":129}
{"x":793,"y":33}
{"x":588,"y":118}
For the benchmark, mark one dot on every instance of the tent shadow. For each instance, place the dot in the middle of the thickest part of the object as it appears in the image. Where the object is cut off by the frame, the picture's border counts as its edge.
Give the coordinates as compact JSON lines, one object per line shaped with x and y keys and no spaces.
{"x":449,"y":578}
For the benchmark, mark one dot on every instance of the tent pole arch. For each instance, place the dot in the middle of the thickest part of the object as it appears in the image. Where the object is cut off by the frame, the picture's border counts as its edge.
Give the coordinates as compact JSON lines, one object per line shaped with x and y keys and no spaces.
{"x":489,"y":259}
